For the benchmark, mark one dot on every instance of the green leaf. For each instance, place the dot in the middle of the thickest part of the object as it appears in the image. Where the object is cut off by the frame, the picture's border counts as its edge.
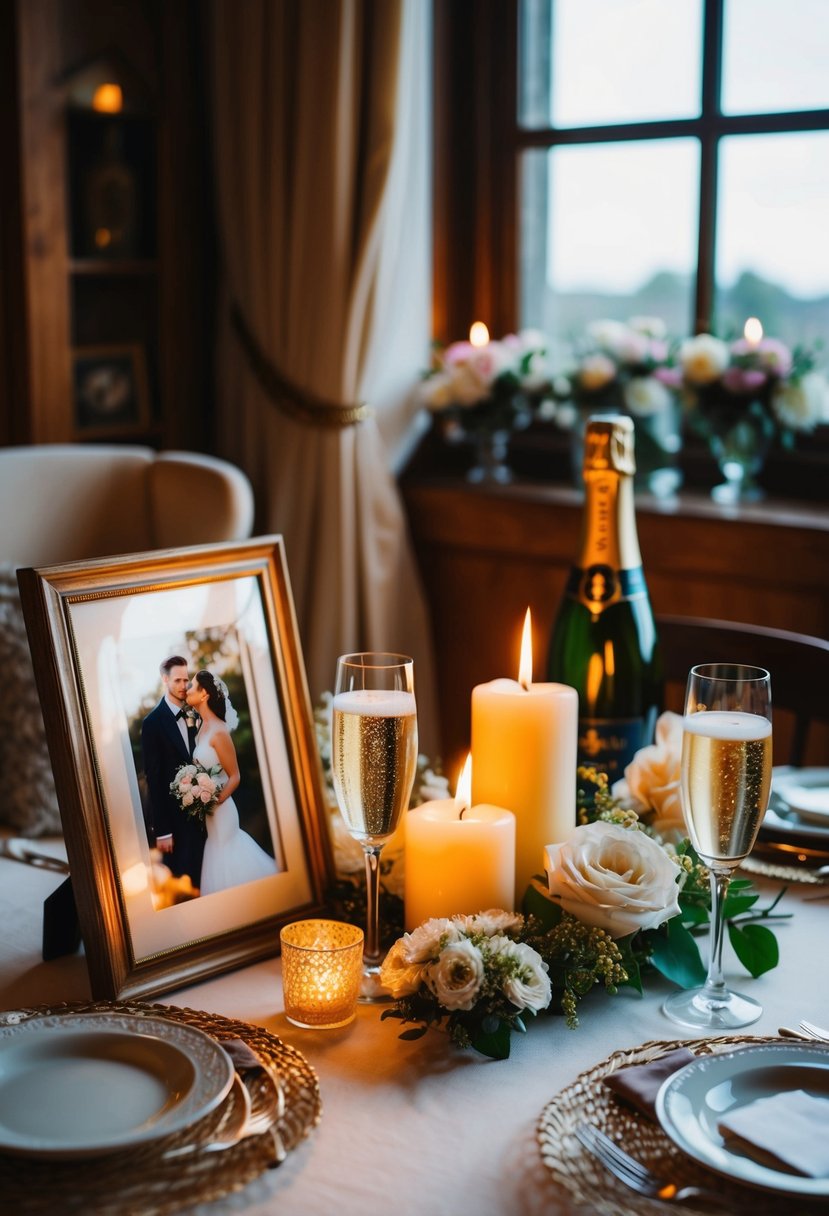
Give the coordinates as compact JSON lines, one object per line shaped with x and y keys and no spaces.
{"x":417,"y":1033}
{"x":537,"y":903}
{"x":755,"y":946}
{"x":693,"y":913}
{"x":677,"y":957}
{"x":735,"y":905}
{"x":494,"y":1044}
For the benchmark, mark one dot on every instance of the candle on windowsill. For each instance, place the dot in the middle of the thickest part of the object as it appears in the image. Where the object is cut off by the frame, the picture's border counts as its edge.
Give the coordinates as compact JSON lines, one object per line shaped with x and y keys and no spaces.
{"x":524,"y":750}
{"x":460,"y":858}
{"x":322,"y":970}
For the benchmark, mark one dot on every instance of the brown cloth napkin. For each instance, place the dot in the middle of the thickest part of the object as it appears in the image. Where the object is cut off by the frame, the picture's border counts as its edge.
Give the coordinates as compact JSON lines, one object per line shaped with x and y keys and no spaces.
{"x":786,"y":1131}
{"x":244,"y":1058}
{"x":638,"y":1084}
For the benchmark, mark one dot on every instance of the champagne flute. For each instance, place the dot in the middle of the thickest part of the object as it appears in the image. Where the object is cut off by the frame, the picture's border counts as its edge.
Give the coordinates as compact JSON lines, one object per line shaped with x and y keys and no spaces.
{"x":725,"y":784}
{"x":374,"y":758}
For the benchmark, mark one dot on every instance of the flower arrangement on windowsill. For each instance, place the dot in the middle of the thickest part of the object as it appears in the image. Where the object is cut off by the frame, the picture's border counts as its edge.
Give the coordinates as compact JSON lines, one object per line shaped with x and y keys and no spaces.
{"x":743,"y":395}
{"x":626,"y":893}
{"x":485,"y":389}
{"x":626,"y":368}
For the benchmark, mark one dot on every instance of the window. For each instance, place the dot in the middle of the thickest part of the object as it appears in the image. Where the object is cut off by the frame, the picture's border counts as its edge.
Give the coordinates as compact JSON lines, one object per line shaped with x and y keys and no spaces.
{"x":668,"y":157}
{"x":674,"y":157}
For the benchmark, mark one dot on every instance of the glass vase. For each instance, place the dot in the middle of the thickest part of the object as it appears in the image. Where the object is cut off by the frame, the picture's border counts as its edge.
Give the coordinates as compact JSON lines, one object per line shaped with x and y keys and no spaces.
{"x":490,"y":465}
{"x":740,"y":447}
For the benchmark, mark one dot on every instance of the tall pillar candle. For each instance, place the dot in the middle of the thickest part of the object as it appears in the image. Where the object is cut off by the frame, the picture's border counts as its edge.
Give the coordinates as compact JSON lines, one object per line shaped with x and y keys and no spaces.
{"x":524,"y":742}
{"x":458,"y":863}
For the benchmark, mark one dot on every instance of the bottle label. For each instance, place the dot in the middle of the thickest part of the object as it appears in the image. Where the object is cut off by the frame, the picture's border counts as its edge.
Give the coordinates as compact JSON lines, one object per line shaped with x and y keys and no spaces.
{"x":598,"y":586}
{"x":609,"y":744}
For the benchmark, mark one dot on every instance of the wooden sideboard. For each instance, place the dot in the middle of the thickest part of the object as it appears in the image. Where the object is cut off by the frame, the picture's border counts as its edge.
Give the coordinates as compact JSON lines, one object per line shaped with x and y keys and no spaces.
{"x":486,"y":554}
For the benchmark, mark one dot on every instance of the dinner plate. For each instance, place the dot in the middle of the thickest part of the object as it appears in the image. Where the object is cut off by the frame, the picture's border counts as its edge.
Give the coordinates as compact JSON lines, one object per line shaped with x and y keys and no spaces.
{"x":87,"y":1084}
{"x":691,"y":1103}
{"x":806,"y":792}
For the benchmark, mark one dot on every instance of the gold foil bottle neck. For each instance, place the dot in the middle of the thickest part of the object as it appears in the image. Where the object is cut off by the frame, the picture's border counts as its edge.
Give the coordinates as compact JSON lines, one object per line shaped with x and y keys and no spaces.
{"x":608,"y":444}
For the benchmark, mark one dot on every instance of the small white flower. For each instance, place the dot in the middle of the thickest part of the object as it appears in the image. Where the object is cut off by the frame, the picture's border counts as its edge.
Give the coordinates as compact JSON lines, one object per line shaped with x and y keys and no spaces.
{"x":802,"y":404}
{"x":703,"y":358}
{"x":456,"y":977}
{"x":494,"y":920}
{"x":615,"y":878}
{"x":422,"y":943}
{"x":645,"y":396}
{"x":530,"y":988}
{"x":609,"y":334}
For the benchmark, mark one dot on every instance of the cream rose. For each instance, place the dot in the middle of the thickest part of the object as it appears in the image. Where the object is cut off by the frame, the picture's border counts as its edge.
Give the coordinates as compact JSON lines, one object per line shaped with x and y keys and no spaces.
{"x":646,"y":396}
{"x":651,"y":780}
{"x":456,"y":977}
{"x":595,"y":372}
{"x":423,"y":942}
{"x":704,"y":358}
{"x":398,"y":974}
{"x":614,"y":878}
{"x":803,"y":404}
{"x":494,"y":920}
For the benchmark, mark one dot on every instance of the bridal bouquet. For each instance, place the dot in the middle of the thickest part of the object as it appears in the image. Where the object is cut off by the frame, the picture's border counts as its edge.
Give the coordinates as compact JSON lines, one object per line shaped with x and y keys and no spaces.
{"x":197,"y":788}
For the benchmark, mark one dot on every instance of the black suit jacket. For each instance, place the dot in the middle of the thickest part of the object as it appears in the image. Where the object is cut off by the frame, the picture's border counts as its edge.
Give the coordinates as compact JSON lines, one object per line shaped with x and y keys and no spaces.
{"x":164,"y":752}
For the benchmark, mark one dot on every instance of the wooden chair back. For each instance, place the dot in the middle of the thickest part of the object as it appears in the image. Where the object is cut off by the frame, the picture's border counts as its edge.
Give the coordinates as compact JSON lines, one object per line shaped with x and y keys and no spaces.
{"x":799,"y":667}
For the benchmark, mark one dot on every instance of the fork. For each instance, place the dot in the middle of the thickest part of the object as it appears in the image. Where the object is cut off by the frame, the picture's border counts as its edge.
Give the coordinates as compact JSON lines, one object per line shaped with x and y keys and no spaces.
{"x":815,"y":1032}
{"x":635,"y":1175}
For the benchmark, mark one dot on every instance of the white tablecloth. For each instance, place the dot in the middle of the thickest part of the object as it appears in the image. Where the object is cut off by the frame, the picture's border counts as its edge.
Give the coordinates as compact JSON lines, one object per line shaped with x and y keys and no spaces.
{"x":422,"y":1129}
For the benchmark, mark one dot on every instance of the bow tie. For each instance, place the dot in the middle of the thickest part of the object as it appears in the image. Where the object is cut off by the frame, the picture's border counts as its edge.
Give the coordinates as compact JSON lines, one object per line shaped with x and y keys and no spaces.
{"x":180,"y":714}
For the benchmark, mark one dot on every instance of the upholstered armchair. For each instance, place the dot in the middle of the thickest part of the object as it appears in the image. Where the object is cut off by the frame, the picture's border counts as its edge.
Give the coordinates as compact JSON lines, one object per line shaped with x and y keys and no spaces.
{"x":67,"y":502}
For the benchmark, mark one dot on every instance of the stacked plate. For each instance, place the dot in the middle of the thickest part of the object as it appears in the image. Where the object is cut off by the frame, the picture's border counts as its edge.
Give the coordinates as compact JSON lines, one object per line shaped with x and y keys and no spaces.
{"x":693,"y":1103}
{"x":797,"y":820}
{"x":89,"y":1084}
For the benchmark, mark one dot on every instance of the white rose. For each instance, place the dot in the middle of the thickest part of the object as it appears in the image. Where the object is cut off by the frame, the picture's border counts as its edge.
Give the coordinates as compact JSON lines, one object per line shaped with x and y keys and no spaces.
{"x":595,"y":372}
{"x":609,"y":334}
{"x":397,"y":974}
{"x":644,"y":396}
{"x":651,"y":327}
{"x":437,"y":391}
{"x":456,"y":977}
{"x":801,"y":405}
{"x":422,"y":943}
{"x":614,"y":878}
{"x":703,"y":358}
{"x":494,"y":920}
{"x":651,"y":780}
{"x":530,"y":988}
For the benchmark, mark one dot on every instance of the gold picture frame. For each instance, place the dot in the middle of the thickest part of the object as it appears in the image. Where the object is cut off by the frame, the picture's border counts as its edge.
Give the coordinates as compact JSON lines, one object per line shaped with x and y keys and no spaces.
{"x":99,"y":631}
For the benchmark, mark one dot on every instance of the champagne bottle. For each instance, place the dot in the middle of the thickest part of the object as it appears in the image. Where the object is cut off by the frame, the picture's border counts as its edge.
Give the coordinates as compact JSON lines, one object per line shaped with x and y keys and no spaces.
{"x":604,"y":641}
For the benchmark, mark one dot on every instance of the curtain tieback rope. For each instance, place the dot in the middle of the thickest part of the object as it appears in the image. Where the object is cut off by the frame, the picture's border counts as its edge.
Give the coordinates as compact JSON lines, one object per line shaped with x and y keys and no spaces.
{"x":300,"y":404}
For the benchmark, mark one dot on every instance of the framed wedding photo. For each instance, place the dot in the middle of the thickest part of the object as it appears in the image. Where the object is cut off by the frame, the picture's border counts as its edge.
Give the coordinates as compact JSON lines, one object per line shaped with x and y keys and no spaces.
{"x":110,"y":391}
{"x":180,"y":668}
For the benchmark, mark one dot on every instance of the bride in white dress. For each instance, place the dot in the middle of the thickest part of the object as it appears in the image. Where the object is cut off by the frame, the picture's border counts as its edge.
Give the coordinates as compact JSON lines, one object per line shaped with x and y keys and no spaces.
{"x":231,"y":856}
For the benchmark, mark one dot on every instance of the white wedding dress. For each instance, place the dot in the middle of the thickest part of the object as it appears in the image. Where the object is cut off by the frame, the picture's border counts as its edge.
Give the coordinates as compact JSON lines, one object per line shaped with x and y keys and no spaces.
{"x":231,"y":856}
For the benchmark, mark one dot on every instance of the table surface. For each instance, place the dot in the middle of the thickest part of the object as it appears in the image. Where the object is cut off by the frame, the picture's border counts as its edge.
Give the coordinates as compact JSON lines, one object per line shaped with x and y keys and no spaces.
{"x":421,"y":1128}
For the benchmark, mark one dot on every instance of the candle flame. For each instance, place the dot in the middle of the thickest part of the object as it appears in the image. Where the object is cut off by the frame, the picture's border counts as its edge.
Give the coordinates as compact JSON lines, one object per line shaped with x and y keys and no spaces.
{"x":525,"y":666}
{"x":753,"y":331}
{"x":463,"y":793}
{"x":108,"y":99}
{"x":478,"y":334}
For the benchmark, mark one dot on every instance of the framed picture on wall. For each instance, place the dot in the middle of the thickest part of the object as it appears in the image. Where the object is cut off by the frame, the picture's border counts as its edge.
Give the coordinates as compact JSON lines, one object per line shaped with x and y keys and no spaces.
{"x":179,"y":668}
{"x":110,"y":394}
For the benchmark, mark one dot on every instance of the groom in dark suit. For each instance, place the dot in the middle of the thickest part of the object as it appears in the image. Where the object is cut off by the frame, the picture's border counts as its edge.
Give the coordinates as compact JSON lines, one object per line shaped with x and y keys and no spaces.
{"x":167,"y":743}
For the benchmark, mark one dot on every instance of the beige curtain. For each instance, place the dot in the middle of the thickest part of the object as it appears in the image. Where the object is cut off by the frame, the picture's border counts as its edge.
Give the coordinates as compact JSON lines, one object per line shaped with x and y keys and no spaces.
{"x":322,"y":168}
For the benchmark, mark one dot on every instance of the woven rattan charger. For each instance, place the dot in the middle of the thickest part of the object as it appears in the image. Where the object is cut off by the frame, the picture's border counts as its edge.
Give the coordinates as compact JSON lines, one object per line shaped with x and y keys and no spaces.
{"x":141,"y":1180}
{"x":589,"y":1186}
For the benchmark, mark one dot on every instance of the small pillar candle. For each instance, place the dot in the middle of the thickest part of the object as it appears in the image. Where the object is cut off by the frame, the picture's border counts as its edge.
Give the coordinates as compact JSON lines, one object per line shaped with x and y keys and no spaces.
{"x":322,"y":969}
{"x":459,"y":859}
{"x":524,"y":748}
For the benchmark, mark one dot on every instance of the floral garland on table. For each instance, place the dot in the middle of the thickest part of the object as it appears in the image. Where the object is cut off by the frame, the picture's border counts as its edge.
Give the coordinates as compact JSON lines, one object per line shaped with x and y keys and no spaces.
{"x":624,"y":893}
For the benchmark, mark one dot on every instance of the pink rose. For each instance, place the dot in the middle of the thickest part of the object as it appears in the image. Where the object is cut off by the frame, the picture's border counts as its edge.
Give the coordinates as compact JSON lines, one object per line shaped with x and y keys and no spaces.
{"x":743,"y":379}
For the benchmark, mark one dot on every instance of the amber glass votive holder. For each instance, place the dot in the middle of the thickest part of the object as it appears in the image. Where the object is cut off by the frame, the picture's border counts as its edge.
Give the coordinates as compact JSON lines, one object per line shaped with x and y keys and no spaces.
{"x":322,"y":969}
